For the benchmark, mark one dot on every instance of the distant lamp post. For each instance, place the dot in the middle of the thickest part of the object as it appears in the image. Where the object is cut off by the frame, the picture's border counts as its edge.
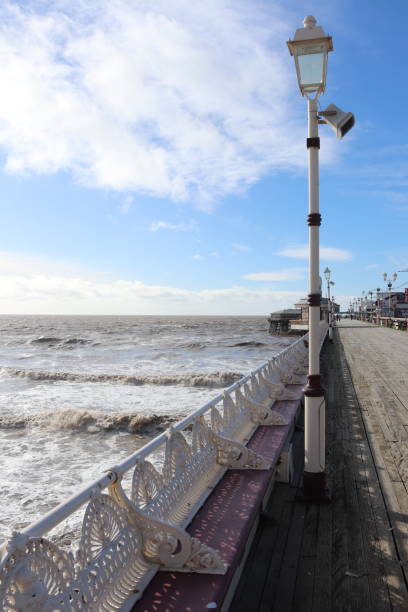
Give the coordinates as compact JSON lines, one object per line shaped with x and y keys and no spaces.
{"x":389,"y":280}
{"x":378,"y":290}
{"x":332,"y":283}
{"x":370,"y":293}
{"x":327,"y":273}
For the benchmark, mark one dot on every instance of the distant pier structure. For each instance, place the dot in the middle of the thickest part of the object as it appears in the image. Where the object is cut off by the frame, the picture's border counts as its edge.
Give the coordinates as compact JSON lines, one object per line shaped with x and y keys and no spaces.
{"x":279,"y":321}
{"x":296,"y":320}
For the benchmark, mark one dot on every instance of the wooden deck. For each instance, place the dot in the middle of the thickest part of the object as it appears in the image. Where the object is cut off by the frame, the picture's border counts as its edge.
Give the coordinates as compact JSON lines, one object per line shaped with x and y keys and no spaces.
{"x":351,"y":554}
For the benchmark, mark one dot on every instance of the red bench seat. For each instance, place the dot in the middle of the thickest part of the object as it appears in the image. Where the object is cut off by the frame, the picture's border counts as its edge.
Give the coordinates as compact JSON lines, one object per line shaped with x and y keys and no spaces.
{"x":226,"y":522}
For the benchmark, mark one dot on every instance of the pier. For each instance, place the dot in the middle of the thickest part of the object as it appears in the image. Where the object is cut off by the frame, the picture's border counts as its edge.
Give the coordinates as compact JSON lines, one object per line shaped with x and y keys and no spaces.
{"x":170,"y":525}
{"x":350,"y":554}
{"x":221,"y":525}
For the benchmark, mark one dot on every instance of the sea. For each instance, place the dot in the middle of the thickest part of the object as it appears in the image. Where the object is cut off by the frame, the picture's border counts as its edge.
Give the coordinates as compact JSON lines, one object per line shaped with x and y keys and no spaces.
{"x":78,"y":394}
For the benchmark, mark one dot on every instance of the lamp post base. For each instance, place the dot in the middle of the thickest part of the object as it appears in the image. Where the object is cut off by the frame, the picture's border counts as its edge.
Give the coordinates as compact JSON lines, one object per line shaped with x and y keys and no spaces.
{"x":314,"y":488}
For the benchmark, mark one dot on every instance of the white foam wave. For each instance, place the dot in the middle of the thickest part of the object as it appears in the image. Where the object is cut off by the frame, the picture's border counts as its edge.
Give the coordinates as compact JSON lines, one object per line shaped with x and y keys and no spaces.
{"x":53,"y":341}
{"x":89,"y":421}
{"x":211,"y":379}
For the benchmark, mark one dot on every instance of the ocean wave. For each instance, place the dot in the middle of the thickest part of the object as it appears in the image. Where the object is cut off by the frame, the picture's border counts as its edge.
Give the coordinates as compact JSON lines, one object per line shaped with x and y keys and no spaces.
{"x":89,"y":421}
{"x":190,"y":326}
{"x":217,"y":379}
{"x":54,"y":341}
{"x":250,"y":343}
{"x":46,"y":340}
{"x":194,"y":345}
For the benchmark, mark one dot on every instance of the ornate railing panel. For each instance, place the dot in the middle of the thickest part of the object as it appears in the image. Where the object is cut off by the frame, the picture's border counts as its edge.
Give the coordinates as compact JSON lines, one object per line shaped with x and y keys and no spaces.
{"x":127,"y":536}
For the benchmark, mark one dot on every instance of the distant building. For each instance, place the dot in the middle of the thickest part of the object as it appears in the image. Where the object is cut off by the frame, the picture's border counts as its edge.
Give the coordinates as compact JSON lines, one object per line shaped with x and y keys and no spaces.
{"x":394,"y":303}
{"x":297,"y":319}
{"x":279,"y":320}
{"x":387,"y":304}
{"x":302,"y":324}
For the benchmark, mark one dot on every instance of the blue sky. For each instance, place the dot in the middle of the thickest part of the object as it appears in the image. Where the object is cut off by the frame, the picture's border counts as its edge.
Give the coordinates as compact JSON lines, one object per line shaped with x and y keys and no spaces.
{"x":153,"y":155}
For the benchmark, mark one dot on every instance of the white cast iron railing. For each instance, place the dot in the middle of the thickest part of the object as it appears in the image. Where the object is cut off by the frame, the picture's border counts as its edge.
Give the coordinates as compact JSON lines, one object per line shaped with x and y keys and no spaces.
{"x":127,"y":537}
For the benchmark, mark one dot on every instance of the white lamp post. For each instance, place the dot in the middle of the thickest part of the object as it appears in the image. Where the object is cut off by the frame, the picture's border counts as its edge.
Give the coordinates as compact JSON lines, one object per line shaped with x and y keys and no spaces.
{"x":327,"y":273}
{"x":378,"y":304}
{"x":389,"y":285}
{"x":332,"y":283}
{"x":309,"y":49}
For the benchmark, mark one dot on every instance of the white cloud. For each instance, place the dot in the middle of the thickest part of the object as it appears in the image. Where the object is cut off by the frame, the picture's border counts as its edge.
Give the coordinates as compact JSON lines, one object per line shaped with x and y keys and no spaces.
{"x":372,"y":266}
{"x":241,"y":247}
{"x":49,"y":290}
{"x":197,"y":257}
{"x":175,"y":227}
{"x":184,"y":100}
{"x":24,"y":266}
{"x":326,"y":253}
{"x":282,"y":275}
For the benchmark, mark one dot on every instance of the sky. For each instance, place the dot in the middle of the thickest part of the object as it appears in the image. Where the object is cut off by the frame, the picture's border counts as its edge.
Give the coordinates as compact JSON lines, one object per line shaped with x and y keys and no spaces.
{"x":153,"y":158}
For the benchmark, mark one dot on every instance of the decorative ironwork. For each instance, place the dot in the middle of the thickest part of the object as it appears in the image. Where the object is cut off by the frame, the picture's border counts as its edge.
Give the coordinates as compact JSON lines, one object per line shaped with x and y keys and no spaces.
{"x":33,"y":572}
{"x":37,"y":576}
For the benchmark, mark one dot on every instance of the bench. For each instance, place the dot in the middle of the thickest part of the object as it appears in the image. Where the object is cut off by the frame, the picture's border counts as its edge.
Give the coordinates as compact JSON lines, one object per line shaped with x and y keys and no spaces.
{"x":227,"y":522}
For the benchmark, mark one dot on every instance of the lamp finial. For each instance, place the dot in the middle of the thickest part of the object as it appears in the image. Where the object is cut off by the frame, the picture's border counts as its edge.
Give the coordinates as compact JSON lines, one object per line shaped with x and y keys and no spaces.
{"x":309,"y":21}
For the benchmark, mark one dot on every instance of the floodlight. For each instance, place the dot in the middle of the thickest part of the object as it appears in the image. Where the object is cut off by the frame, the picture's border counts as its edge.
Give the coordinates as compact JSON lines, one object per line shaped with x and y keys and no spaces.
{"x":338,"y":120}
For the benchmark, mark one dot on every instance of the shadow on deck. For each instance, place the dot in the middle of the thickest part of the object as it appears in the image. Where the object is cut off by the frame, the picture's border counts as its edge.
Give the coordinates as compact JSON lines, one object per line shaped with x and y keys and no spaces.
{"x":337,"y":557}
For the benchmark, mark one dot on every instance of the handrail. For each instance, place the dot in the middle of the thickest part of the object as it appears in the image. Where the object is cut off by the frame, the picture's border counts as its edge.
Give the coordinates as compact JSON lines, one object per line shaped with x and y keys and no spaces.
{"x":126,"y":537}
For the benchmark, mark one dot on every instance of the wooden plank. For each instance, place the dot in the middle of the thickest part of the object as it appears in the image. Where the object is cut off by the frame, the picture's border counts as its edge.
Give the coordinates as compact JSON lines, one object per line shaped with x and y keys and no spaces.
{"x":361,"y":464}
{"x":322,"y":594}
{"x":384,"y":574}
{"x":353,"y":553}
{"x":386,"y":522}
{"x":287,"y":571}
{"x":274,"y":570}
{"x":249,"y":592}
{"x":340,"y":596}
{"x":305,"y":578}
{"x":371,"y":536}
